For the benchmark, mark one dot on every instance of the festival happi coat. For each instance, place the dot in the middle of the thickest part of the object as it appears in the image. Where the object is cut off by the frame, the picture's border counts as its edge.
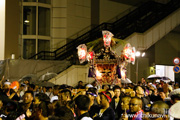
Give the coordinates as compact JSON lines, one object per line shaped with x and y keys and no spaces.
{"x":106,"y":66}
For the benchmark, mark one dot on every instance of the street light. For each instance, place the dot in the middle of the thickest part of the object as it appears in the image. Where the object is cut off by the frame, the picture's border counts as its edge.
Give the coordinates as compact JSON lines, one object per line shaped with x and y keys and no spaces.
{"x":138,"y":54}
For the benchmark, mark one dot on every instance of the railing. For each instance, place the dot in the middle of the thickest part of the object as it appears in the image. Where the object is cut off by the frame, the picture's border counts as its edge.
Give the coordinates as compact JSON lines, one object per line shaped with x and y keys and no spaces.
{"x":139,"y":20}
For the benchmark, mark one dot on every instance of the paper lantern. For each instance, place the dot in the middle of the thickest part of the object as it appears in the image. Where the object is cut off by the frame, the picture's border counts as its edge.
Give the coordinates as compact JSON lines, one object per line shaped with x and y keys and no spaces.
{"x":107,"y":38}
{"x":127,"y":51}
{"x":90,"y":56}
{"x":82,"y":52}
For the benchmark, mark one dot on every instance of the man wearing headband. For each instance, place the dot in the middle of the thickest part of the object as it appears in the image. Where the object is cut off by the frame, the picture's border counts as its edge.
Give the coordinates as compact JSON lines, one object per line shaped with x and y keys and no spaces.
{"x":91,"y":93}
{"x":6,"y":87}
{"x":106,"y":112}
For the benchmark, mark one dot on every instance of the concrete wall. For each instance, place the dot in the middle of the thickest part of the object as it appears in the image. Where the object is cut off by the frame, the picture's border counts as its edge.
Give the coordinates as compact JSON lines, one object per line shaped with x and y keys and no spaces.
{"x":59,"y":23}
{"x":167,"y":49}
{"x":68,"y":18}
{"x":79,"y":16}
{"x":109,"y":9}
{"x":9,"y":24}
{"x":72,"y":75}
{"x":142,"y":70}
{"x":2,"y":26}
{"x":12,"y":28}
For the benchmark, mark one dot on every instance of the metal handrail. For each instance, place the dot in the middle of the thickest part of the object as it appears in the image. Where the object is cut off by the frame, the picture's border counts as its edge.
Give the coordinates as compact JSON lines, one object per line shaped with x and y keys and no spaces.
{"x":138,"y":20}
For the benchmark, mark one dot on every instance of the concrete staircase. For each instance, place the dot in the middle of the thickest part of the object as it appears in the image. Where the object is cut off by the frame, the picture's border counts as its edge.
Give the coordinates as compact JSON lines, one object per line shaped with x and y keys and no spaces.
{"x":141,"y":41}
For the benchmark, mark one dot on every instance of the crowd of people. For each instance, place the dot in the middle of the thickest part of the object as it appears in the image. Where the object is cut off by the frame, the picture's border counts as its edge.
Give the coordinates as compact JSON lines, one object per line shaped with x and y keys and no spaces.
{"x":142,"y":101}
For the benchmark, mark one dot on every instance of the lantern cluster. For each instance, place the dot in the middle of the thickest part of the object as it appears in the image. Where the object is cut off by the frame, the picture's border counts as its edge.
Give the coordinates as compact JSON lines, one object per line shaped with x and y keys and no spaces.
{"x":107,"y":38}
{"x":129,"y":53}
{"x":106,"y":66}
{"x":83,"y":54}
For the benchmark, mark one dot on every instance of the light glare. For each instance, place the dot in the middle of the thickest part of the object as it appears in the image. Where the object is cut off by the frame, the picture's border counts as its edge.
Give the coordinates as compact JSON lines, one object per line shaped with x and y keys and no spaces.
{"x":143,"y":54}
{"x":138,"y":53}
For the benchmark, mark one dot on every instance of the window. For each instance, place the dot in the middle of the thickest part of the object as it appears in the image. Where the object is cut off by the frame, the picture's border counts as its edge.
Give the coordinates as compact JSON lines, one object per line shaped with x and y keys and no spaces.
{"x":29,"y":20}
{"x":45,"y":1}
{"x":29,"y":0}
{"x":36,"y":27}
{"x":29,"y":48}
{"x":43,"y":45}
{"x":44,"y":21}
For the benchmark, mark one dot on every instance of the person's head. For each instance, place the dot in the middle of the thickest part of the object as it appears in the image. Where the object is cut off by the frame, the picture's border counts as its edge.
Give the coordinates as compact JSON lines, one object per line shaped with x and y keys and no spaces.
{"x":91,"y":93}
{"x":176,"y":86}
{"x":105,"y":87}
{"x":159,"y":107}
{"x":139,"y":83}
{"x":158,"y":86}
{"x":161,"y":82}
{"x":31,"y":87}
{"x":94,"y":83}
{"x":55,"y":89}
{"x":175,"y":96}
{"x":132,"y":93}
{"x":155,"y":92}
{"x":22,"y":87}
{"x":111,"y":92}
{"x":117,"y":91}
{"x":28,"y":97}
{"x":125,"y":103}
{"x":80,"y":83}
{"x":41,"y":97}
{"x":146,"y":93}
{"x":6,"y":86}
{"x":63,"y":113}
{"x":49,"y":89}
{"x":65,"y":95}
{"x":143,"y":80}
{"x":44,"y":89}
{"x":123,"y":90}
{"x":105,"y":99}
{"x":135,"y":104}
{"x":82,"y":102}
{"x":36,"y":88}
{"x":162,"y":95}
{"x":139,"y":91}
{"x":150,"y":92}
{"x":26,"y":82}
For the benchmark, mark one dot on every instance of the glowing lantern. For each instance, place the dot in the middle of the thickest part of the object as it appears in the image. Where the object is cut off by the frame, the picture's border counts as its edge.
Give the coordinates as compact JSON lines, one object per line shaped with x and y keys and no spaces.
{"x":107,"y":38}
{"x":90,"y":56}
{"x":98,"y":74}
{"x":127,"y":51}
{"x":82,"y":51}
